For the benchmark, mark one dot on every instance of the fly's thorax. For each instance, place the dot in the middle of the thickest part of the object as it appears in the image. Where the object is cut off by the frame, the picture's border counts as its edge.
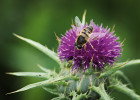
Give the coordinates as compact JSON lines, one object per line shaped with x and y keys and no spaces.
{"x":83,"y":37}
{"x":81,"y":41}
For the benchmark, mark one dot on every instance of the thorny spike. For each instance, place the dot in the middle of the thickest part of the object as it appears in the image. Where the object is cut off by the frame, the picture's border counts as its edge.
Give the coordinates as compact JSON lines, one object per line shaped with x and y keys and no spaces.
{"x":113,"y":28}
{"x":84,"y":16}
{"x":72,"y":22}
{"x":57,"y":38}
{"x":122,"y":42}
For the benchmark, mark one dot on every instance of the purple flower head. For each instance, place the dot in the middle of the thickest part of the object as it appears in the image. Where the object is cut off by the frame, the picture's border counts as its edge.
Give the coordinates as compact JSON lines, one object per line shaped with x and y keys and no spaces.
{"x":101,"y":47}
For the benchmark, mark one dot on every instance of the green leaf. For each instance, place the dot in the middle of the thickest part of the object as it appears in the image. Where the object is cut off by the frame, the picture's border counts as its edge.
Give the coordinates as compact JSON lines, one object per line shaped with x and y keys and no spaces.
{"x":120,"y":73}
{"x":101,"y":91}
{"x":78,"y":96}
{"x":48,"y":73}
{"x":40,"y":47}
{"x":124,"y":89}
{"x":61,"y":97}
{"x":52,"y":91}
{"x":30,"y":74}
{"x":44,"y":69}
{"x":130,"y":63}
{"x":119,"y":66}
{"x":45,"y":83}
{"x":112,"y":70}
{"x":38,"y":84}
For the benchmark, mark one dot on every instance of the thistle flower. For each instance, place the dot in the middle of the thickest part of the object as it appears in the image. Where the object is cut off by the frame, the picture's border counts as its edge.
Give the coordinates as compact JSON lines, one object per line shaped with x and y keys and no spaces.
{"x":102,"y":47}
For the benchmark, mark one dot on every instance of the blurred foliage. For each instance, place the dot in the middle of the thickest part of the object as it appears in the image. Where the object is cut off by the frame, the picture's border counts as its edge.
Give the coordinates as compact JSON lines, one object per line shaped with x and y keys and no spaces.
{"x":39,"y":19}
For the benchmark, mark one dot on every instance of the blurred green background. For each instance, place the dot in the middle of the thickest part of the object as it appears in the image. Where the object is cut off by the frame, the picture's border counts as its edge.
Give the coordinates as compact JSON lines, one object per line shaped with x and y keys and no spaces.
{"x":39,"y":19}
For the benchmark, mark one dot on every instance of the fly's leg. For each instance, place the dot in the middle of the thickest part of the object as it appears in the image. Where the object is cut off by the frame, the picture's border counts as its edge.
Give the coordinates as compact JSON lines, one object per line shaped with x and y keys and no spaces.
{"x":85,"y":48}
{"x":91,"y":46}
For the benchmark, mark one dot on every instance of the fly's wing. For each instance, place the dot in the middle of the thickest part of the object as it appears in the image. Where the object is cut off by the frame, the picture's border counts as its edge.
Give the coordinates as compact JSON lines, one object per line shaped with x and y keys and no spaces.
{"x":78,"y":25}
{"x":77,"y":22}
{"x":96,"y":35}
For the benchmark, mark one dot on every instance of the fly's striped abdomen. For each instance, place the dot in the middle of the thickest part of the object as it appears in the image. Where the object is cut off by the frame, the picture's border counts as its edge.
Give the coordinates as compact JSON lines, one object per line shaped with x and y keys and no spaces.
{"x":88,"y":30}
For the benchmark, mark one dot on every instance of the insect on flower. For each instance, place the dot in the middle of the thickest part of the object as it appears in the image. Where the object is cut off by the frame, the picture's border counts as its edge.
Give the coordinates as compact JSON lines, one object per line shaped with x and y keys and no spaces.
{"x":83,"y":37}
{"x":89,"y":45}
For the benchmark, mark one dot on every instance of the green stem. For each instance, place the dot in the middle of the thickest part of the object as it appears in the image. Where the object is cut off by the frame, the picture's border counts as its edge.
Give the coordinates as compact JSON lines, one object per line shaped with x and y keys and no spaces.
{"x":101,"y":91}
{"x":122,"y":88}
